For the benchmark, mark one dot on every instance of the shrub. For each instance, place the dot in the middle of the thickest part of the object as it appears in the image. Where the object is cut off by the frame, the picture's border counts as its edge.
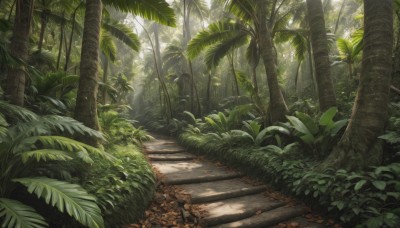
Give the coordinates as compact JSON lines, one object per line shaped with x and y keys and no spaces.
{"x":124,"y":187}
{"x":370,"y":198}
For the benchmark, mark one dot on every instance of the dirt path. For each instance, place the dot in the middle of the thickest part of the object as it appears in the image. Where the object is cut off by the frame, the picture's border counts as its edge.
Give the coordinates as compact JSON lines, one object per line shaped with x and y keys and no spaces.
{"x":229,"y":198}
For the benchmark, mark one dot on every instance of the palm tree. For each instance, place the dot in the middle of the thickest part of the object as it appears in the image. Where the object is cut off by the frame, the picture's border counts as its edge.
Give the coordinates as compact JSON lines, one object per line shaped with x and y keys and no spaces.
{"x":326,"y":93}
{"x":19,"y":49}
{"x":86,"y":101}
{"x":221,"y":37}
{"x":277,"y":105}
{"x":359,"y":146}
{"x":350,"y":49}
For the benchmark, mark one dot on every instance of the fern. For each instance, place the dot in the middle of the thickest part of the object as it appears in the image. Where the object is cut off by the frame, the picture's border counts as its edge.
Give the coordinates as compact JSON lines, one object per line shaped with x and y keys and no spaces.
{"x":17,"y":214}
{"x":67,"y":197}
{"x":46,"y":154}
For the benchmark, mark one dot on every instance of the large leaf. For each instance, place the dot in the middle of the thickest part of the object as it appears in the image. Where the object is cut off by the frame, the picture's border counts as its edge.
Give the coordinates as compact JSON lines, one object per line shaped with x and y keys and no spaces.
{"x":16,"y":214}
{"x":71,"y":145}
{"x":123,"y":33}
{"x":157,"y":10}
{"x":327,"y":117}
{"x":46,"y":154}
{"x":67,"y":197}
{"x":299,"y":126}
{"x":308,"y":121}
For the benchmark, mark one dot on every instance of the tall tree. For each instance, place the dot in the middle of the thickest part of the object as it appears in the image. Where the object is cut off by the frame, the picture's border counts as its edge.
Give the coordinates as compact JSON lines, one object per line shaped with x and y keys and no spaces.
{"x":319,"y":43}
{"x":359,"y":146}
{"x":277,"y":105}
{"x":19,"y":49}
{"x":86,"y":100}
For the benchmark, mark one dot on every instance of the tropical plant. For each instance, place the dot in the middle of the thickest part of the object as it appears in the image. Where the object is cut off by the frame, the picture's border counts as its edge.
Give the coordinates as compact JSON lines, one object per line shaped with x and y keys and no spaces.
{"x":32,"y":149}
{"x":318,"y":137}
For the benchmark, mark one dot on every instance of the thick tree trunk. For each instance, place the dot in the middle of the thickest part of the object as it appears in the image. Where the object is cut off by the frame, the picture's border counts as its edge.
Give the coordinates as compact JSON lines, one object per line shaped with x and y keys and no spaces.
{"x":19,"y":49}
{"x":277,"y":105}
{"x":359,"y":146}
{"x":326,"y":93}
{"x":86,"y":100}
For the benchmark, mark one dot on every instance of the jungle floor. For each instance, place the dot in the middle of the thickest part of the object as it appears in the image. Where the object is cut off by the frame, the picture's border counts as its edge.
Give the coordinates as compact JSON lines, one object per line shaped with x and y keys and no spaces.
{"x":195,"y":192}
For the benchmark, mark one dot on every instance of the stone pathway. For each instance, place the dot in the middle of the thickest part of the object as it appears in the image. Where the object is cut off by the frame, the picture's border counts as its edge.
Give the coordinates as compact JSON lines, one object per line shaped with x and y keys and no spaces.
{"x":228,"y":199}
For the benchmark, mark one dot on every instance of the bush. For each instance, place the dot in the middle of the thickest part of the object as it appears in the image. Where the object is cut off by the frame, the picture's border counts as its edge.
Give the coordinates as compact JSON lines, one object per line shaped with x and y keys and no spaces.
{"x":123,"y":188}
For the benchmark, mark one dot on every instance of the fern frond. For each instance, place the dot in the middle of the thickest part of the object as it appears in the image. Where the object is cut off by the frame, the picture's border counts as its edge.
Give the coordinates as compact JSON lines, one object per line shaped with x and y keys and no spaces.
{"x":17,"y":111}
{"x":68,"y":144}
{"x":45,"y":154}
{"x":16,"y":214}
{"x":67,"y":197}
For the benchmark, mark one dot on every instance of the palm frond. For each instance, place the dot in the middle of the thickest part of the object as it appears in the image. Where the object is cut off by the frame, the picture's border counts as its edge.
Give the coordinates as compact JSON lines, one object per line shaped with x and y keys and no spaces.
{"x":17,"y":214}
{"x":252,"y":52}
{"x":67,"y":197}
{"x":123,"y":33}
{"x":300,"y":45}
{"x":216,"y":52}
{"x":345,"y":48}
{"x":107,"y":45}
{"x":45,"y":154}
{"x":245,"y":10}
{"x":156,"y":10}
{"x":215,"y":32}
{"x":198,"y":8}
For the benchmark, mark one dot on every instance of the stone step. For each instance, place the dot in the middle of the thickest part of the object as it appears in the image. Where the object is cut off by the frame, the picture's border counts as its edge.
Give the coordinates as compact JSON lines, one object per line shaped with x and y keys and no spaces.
{"x":171,"y":157}
{"x":238,"y":208}
{"x":267,"y":218}
{"x":220,"y":190}
{"x":188,"y":172}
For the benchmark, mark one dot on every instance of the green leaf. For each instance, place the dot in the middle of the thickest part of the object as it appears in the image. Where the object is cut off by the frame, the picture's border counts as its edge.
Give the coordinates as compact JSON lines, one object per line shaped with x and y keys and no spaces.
{"x":46,"y":154}
{"x":308,"y":122}
{"x":327,"y":117}
{"x":360,"y":184}
{"x":381,"y":185}
{"x":298,"y":125}
{"x":157,"y":10}
{"x":16,"y":214}
{"x":68,"y":197}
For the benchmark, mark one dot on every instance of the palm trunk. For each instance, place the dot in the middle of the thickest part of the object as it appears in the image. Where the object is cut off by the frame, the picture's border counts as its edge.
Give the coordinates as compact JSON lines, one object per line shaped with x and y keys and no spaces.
{"x":339,"y":15}
{"x":19,"y":49}
{"x":326,"y":93}
{"x":359,"y":147}
{"x":277,"y":105}
{"x":105,"y":80}
{"x":60,"y":45}
{"x":68,"y":52}
{"x":86,"y":100}
{"x":235,"y":81}
{"x":43,"y":24}
{"x":208,"y":93}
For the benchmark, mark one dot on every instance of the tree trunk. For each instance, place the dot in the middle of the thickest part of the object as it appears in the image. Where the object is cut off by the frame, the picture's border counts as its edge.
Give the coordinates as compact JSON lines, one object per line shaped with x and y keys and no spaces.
{"x":277,"y":105}
{"x":60,"y":45}
{"x":105,"y":79}
{"x":19,"y":49}
{"x":86,"y":100}
{"x":359,"y":146}
{"x":326,"y":93}
{"x":208,"y":93}
{"x":43,"y":24}
{"x":68,"y":52}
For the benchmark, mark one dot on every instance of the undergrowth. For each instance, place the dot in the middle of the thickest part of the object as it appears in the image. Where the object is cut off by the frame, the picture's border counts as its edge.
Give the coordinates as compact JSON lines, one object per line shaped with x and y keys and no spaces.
{"x":369,"y":198}
{"x":124,"y":188}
